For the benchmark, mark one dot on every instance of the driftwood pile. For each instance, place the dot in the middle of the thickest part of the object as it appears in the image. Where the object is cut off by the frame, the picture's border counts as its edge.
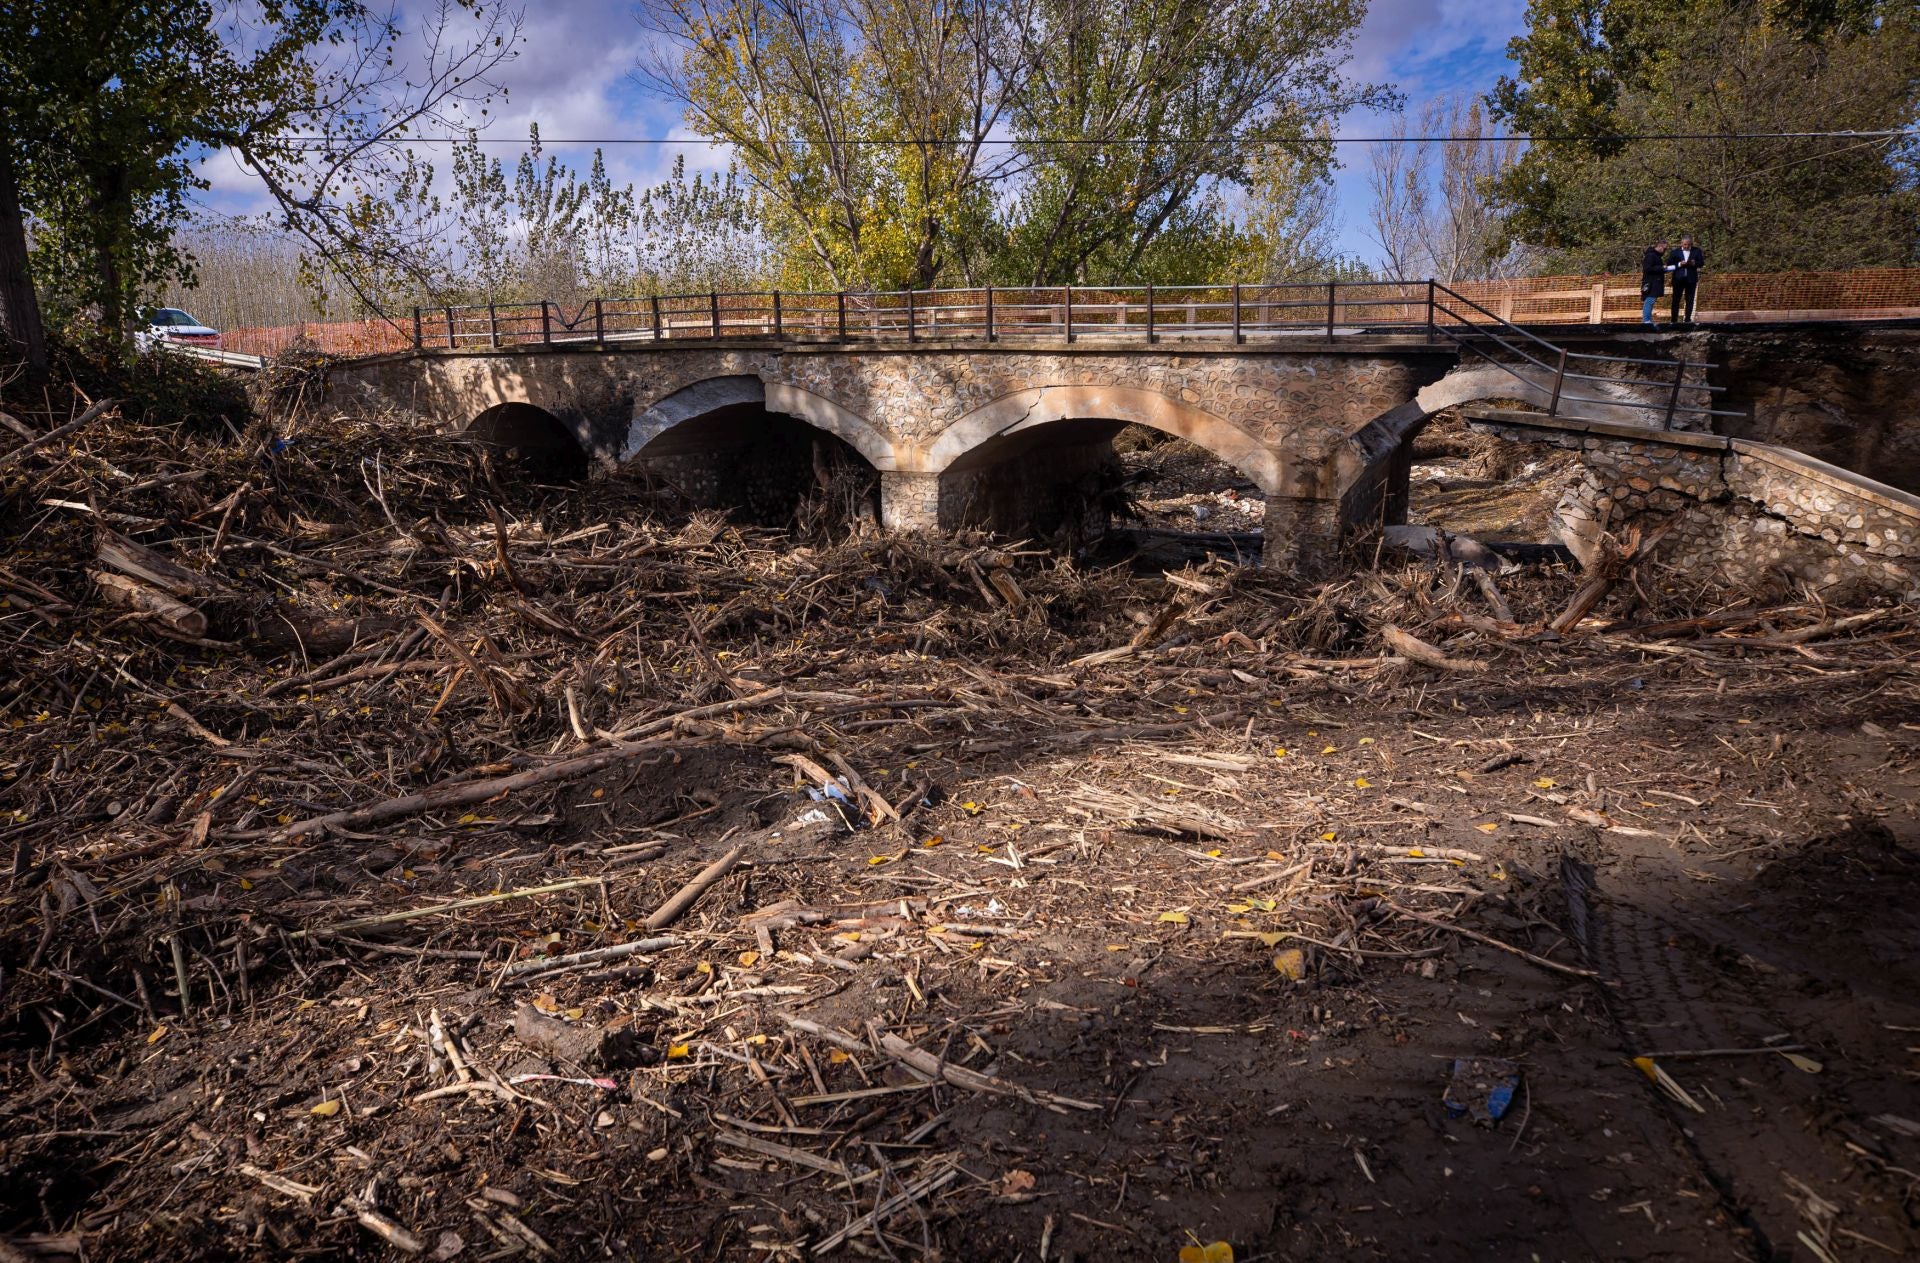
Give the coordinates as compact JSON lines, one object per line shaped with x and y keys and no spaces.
{"x":397,"y":788}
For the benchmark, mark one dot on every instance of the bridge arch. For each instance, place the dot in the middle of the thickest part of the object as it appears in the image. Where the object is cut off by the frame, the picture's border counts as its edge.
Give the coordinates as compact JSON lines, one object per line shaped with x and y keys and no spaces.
{"x":746,"y":392}
{"x":758,"y":448}
{"x":970,"y":441}
{"x":527,"y":433}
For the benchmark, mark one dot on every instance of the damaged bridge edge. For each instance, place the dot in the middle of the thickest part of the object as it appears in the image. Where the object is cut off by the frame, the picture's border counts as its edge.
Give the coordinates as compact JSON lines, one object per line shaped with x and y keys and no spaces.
{"x":1778,"y":517}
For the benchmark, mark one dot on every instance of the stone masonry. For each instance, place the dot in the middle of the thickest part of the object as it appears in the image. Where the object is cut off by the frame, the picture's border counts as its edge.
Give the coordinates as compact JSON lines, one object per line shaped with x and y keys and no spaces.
{"x":1289,"y":417}
{"x":1755,"y":516}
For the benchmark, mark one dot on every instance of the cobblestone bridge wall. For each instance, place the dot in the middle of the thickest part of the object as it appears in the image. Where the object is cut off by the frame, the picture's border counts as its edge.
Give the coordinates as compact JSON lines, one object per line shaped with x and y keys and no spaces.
{"x":1757,"y":516}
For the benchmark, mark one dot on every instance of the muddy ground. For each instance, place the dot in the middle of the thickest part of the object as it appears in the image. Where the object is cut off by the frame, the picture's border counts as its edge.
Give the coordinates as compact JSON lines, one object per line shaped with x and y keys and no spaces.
{"x":1196,"y":899}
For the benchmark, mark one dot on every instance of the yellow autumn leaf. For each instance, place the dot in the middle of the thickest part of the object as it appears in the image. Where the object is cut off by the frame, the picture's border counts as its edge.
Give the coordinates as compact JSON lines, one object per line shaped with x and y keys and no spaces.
{"x":1329,"y":749}
{"x":1273,"y":939}
{"x":1290,"y":964}
{"x":1486,"y":828}
{"x":1366,"y":741}
{"x":1213,"y":1252}
{"x":970,"y":807}
{"x":1414,"y":852}
{"x":326,"y":1109}
{"x":1328,"y":836}
{"x":676,"y":1052}
{"x":1239,"y":907}
{"x":1806,"y":1064}
{"x":879,"y":859}
{"x":469,"y":818}
{"x":836,"y":1056}
{"x":159,"y":1033}
{"x":1174,"y":918}
{"x":749,"y":959}
{"x":1116,"y":947}
{"x":1280,"y":752}
{"x":1262,"y":903}
{"x":1215,"y":853}
{"x":1361,"y":782}
{"x":1544,"y":782}
{"x":935,"y":840}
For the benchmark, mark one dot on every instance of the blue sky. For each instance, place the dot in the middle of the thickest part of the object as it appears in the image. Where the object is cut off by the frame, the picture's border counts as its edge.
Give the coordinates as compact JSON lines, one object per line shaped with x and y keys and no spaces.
{"x":573,"y":76}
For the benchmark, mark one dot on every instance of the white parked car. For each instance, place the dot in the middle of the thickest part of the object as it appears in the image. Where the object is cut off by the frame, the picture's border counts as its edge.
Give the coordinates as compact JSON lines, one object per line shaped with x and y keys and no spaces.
{"x":170,"y":324}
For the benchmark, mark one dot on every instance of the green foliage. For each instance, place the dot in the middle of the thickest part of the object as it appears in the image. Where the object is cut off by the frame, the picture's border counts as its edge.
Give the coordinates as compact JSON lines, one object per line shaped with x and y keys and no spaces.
{"x":158,"y":389}
{"x":1591,"y":70}
{"x":551,"y":202}
{"x":1130,"y":114}
{"x":106,"y":106}
{"x":872,"y":131}
{"x":699,"y":233}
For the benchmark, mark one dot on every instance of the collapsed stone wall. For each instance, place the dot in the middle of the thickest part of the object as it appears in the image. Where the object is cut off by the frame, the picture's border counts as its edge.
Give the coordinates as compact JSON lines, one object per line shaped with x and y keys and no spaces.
{"x":1753,"y":516}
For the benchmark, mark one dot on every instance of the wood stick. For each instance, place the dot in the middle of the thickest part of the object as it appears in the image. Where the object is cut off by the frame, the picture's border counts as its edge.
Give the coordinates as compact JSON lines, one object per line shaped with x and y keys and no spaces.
{"x":454,"y":905}
{"x":139,"y":562}
{"x":55,"y":435}
{"x":893,"y":1205}
{"x":464,"y":793}
{"x":1572,"y":971}
{"x":1417,"y":650}
{"x":542,"y":965}
{"x":1490,"y":590}
{"x":754,"y":702}
{"x":387,"y":1229}
{"x":1819,"y":631}
{"x":685,"y":897}
{"x":136,"y":596}
{"x":927,"y":1065}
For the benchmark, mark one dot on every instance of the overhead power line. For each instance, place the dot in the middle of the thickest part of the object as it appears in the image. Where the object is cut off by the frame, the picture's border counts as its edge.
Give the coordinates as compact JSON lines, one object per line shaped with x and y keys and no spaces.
{"x":548,"y":142}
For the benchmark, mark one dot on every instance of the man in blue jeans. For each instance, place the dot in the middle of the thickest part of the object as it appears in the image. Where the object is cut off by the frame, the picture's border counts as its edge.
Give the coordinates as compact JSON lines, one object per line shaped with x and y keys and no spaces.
{"x":1653,"y":279}
{"x":1685,"y":264}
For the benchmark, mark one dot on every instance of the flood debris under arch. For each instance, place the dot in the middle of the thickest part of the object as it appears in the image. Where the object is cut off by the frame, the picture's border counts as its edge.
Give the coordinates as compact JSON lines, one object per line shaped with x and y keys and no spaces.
{"x":532,"y":439}
{"x":759,"y":466}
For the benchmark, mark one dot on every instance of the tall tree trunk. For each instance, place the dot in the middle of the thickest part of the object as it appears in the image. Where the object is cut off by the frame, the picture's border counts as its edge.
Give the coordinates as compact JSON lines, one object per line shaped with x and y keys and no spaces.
{"x":19,"y":306}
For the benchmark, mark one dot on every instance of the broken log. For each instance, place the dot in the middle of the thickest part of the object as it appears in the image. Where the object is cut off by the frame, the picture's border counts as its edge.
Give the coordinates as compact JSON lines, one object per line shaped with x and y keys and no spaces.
{"x":150,"y":602}
{"x":589,"y":1047}
{"x":1417,"y":650}
{"x":137,"y":561}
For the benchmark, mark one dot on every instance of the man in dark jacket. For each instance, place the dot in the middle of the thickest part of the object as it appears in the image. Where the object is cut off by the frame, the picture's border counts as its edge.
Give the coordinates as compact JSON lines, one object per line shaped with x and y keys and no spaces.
{"x":1653,"y":279}
{"x":1685,"y":264}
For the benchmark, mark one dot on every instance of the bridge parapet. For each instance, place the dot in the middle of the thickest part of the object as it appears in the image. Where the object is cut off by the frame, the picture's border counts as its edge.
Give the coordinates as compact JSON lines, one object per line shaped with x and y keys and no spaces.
{"x":1753,"y":515}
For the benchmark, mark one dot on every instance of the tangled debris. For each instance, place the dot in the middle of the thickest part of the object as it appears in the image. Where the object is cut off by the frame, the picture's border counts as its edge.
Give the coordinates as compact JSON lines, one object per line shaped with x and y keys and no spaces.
{"x":408,"y":857}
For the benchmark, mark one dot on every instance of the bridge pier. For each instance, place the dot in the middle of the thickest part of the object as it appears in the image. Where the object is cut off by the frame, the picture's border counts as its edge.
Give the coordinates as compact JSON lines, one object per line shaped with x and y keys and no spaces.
{"x":1301,"y":534}
{"x":909,"y":500}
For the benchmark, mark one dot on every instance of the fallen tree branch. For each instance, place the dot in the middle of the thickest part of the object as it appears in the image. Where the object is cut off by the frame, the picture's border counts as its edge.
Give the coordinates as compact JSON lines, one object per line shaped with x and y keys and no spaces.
{"x":1414,"y":649}
{"x":1572,"y":971}
{"x":685,"y":897}
{"x":58,"y":433}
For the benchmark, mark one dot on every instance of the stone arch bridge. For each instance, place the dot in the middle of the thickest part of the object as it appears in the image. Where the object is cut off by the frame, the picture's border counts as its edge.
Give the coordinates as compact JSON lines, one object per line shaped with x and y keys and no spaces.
{"x":969,"y":422}
{"x":957,"y":435}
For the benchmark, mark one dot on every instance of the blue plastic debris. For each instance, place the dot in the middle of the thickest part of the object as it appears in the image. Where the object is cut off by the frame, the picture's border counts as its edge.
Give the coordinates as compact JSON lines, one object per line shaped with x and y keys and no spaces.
{"x":1482,"y":1088}
{"x":836,"y":792}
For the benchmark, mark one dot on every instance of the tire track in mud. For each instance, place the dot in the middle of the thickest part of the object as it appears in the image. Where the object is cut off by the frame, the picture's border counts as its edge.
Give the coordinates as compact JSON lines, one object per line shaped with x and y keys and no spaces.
{"x":1647,"y":994}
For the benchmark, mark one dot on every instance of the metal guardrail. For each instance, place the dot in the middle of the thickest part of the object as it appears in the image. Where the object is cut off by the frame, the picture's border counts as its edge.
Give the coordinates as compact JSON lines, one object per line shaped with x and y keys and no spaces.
{"x":1067,"y":313}
{"x":213,"y":355}
{"x":1471,"y":336}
